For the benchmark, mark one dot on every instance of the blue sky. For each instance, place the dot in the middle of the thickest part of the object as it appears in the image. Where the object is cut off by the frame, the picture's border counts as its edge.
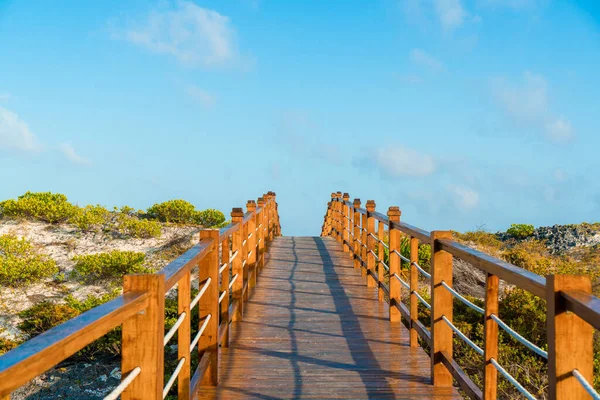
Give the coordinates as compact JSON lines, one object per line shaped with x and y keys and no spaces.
{"x":462,"y":112}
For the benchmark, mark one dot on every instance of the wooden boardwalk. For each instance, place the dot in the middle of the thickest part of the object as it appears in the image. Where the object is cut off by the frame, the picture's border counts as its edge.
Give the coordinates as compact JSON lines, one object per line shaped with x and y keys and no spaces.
{"x":312,"y":329}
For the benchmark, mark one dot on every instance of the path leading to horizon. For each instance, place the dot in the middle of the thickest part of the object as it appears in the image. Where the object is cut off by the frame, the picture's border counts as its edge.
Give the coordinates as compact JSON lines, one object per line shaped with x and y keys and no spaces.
{"x":312,"y":329}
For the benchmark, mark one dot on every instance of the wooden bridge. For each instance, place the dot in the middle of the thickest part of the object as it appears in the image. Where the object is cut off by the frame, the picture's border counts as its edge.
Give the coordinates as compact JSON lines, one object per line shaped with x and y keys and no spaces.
{"x":334,"y":316}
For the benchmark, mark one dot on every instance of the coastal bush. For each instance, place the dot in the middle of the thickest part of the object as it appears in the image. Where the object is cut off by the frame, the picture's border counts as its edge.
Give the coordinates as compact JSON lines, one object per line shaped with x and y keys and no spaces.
{"x":90,"y":218}
{"x":520,"y":231}
{"x":114,"y":264}
{"x":7,"y":344}
{"x":43,"y":206}
{"x":21,"y":264}
{"x":176,"y":211}
{"x":129,"y":225}
{"x":210,"y":218}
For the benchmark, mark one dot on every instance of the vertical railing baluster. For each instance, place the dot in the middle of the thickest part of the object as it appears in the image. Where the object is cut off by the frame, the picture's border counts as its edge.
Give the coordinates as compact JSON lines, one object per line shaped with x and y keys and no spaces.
{"x":490,"y":338}
{"x":343,"y":218}
{"x":570,"y":340}
{"x":184,"y":335}
{"x":224,"y":306}
{"x":251,"y":236}
{"x":363,"y":250}
{"x":142,"y":337}
{"x":414,"y":288}
{"x":261,"y":233}
{"x":394,"y":261}
{"x":357,"y":236}
{"x":208,"y":345}
{"x":237,"y":217}
{"x":380,"y":254}
{"x":441,"y":305}
{"x":370,"y":243}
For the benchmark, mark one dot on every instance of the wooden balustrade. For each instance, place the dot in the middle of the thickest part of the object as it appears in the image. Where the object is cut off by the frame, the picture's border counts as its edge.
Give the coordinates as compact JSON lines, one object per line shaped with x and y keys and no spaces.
{"x":572,"y":311}
{"x":227,"y":260}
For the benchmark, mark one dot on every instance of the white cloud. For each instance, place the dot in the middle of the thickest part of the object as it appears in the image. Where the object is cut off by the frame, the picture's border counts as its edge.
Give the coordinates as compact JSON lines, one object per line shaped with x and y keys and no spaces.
{"x":69,"y":152}
{"x":422,"y":58}
{"x":195,"y":36}
{"x":5,"y":96}
{"x":527,"y":102}
{"x":450,"y":13}
{"x":559,"y":130}
{"x":464,"y":198}
{"x":400,"y":161}
{"x":15,"y":133}
{"x":206,"y":99}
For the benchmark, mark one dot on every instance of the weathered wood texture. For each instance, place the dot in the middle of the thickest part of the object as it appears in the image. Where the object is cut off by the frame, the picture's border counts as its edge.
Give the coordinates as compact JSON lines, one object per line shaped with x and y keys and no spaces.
{"x":312,"y":329}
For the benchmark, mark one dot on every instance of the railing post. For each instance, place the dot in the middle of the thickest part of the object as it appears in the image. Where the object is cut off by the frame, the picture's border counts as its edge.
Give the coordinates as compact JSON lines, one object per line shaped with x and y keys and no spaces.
{"x":237,"y":217}
{"x":340,"y":226}
{"x":251,"y":264}
{"x":490,"y":334}
{"x":334,"y":223}
{"x":570,"y":340}
{"x":183,"y":335}
{"x":143,"y":339}
{"x":208,"y":345}
{"x":267,"y":222}
{"x":326,"y":230}
{"x":224,"y":306}
{"x":344,"y":219}
{"x":271,"y":226}
{"x":441,"y":333}
{"x":370,"y":243}
{"x":357,"y":236}
{"x":394,"y":261}
{"x":260,"y":223}
{"x":363,"y":236}
{"x":414,"y":288}
{"x":276,"y":212}
{"x":380,"y":254}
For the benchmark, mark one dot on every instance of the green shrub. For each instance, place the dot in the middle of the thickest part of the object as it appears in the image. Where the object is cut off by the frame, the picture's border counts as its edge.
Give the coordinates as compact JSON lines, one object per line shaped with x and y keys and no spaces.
{"x":210,"y":218}
{"x":21,"y":264}
{"x":176,"y":211}
{"x":110,"y":265}
{"x":520,"y":231}
{"x":90,"y":218}
{"x":139,"y":228}
{"x":7,"y":344}
{"x":44,"y":206}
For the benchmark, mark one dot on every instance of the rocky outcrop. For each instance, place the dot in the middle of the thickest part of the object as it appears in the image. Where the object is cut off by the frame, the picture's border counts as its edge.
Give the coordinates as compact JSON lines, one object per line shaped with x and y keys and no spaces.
{"x":562,"y":238}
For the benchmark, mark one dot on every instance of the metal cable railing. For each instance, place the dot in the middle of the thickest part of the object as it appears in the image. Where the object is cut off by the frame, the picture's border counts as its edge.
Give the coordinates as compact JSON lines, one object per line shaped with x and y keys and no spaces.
{"x":464,"y":337}
{"x":174,"y":328}
{"x":174,"y":376}
{"x":233,"y":280}
{"x":222,"y":296}
{"x":586,"y":385}
{"x":116,"y":392}
{"x":200,"y":293}
{"x":463,"y":299}
{"x":512,"y":380}
{"x":233,"y":256}
{"x":519,"y":338}
{"x":202,"y":328}
{"x":406,"y":285}
{"x":421,"y":270}
{"x":222,"y":268}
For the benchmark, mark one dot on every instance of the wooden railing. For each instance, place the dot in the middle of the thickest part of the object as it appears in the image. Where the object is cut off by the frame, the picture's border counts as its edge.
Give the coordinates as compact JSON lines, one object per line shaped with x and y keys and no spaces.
{"x":228,"y":260}
{"x":572,"y":311}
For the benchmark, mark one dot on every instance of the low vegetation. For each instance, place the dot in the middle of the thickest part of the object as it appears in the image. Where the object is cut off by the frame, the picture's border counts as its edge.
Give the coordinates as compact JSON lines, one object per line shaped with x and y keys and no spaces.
{"x":43,"y":206}
{"x":520,"y":231}
{"x":183,"y":212}
{"x":114,"y":264}
{"x":21,"y":263}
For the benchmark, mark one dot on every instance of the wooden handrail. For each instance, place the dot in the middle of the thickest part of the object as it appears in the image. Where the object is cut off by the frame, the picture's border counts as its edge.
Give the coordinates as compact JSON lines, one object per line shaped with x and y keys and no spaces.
{"x":570,"y":353}
{"x":143,"y":341}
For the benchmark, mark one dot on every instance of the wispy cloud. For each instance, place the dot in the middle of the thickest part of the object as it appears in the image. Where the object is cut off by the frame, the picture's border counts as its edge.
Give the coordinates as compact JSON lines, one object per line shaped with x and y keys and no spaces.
{"x":70,"y":154}
{"x":5,"y":96}
{"x":464,"y":198}
{"x":400,"y":161}
{"x":195,"y":36}
{"x":451,"y":13}
{"x":16,"y":137}
{"x":422,"y":58}
{"x":15,"y":133}
{"x":204,"y":98}
{"x":527,"y":103}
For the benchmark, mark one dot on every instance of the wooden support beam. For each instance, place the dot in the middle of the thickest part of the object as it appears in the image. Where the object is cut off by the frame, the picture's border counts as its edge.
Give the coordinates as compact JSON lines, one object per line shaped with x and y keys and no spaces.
{"x":570,"y":340}
{"x":441,"y":333}
{"x":344,"y":218}
{"x":370,"y":243}
{"x":143,"y":339}
{"x":224,"y":306}
{"x":252,"y":248}
{"x":356,"y":227}
{"x":414,"y":287}
{"x":394,"y":263}
{"x":380,"y":254}
{"x":184,"y":334}
{"x":237,"y":217}
{"x":490,"y":334}
{"x":208,"y":345}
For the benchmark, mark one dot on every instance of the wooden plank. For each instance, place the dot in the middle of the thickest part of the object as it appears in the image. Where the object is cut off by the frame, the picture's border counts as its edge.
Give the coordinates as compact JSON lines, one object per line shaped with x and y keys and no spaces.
{"x":490,"y":333}
{"x":371,"y":280}
{"x":570,"y":340}
{"x":236,"y":266}
{"x":585,"y":305}
{"x":224,"y":306}
{"x":394,"y":261}
{"x":380,"y":269}
{"x":345,"y":214}
{"x":184,"y":336}
{"x":183,"y":264}
{"x":357,"y":230}
{"x":441,"y":333}
{"x":143,"y":335}
{"x":414,"y":287}
{"x":44,"y":351}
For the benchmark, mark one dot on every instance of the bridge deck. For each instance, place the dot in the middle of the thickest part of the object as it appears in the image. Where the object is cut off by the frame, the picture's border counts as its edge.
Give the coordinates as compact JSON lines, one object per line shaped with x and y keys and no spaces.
{"x":312,"y":329}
